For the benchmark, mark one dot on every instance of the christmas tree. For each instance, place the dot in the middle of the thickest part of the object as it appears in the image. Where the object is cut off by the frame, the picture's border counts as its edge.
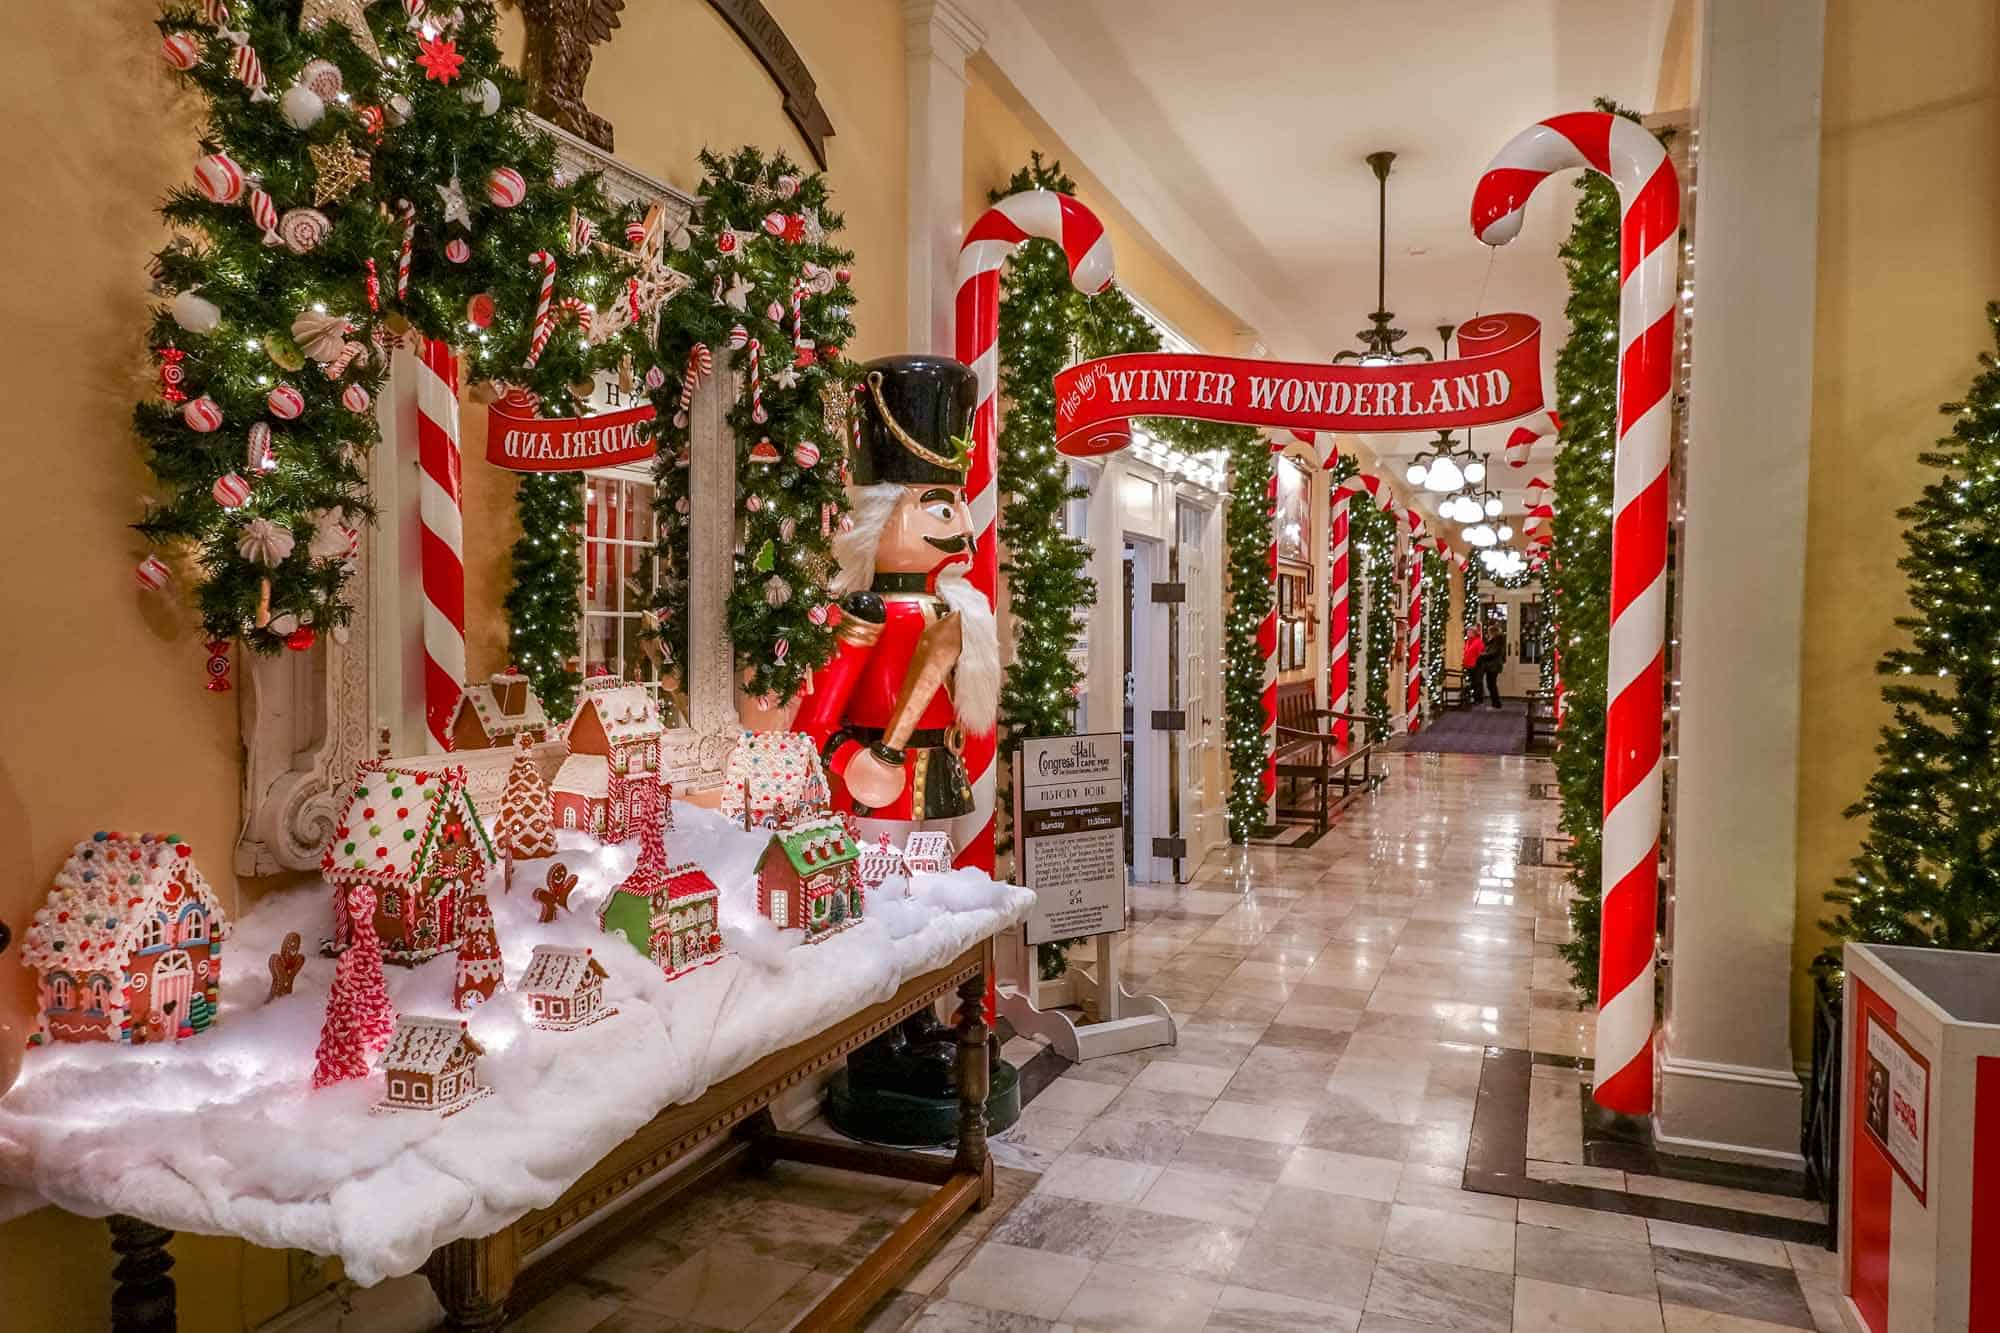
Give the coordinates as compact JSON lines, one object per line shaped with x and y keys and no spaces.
{"x":1928,"y":872}
{"x":359,"y":1017}
{"x":478,"y":972}
{"x":525,"y":828}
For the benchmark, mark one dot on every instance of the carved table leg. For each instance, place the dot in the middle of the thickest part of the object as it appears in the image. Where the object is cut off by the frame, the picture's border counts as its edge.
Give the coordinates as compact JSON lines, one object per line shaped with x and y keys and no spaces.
{"x":975,"y":1082}
{"x":143,"y":1300}
{"x":472,"y":1279}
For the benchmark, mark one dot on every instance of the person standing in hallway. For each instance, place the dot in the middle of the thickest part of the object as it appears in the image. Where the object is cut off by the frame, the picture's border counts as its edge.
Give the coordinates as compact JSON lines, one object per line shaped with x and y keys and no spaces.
{"x":1492,"y":656}
{"x":1475,"y":644}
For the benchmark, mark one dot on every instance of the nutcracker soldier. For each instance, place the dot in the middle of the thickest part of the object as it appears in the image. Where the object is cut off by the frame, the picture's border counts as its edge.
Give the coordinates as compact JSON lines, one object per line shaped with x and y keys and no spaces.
{"x":917,"y":664}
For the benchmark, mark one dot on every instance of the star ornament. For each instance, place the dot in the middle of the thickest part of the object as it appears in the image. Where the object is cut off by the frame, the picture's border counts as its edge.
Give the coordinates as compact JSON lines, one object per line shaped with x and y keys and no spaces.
{"x":454,"y":204}
{"x":337,"y":169}
{"x":316,"y":14}
{"x":440,"y":59}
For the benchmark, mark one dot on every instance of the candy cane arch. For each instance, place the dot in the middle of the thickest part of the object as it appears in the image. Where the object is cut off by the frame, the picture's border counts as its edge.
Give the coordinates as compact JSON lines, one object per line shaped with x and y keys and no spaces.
{"x":439,"y":499}
{"x":1001,"y":228}
{"x":1521,"y":440}
{"x":1337,"y":648}
{"x":1648,"y":271}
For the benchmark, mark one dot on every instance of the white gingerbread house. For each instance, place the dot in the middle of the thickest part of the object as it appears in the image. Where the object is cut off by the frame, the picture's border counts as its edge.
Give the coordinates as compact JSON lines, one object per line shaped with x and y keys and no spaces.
{"x":564,"y":987}
{"x":928,"y":852}
{"x":413,"y":838}
{"x":774,"y":778}
{"x":431,"y":1065}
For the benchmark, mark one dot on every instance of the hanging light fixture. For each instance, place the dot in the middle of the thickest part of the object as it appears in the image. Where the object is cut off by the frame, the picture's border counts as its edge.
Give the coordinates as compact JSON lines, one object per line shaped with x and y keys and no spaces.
{"x":1378,"y":341}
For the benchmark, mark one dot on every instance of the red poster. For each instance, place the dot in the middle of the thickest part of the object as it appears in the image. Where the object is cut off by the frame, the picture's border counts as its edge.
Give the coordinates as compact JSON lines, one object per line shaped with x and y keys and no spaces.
{"x":1497,"y":377}
{"x":520,"y":441}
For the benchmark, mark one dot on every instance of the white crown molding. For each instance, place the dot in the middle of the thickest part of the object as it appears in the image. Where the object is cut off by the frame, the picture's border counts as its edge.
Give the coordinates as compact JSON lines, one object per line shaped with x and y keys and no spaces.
{"x":1021,"y":54}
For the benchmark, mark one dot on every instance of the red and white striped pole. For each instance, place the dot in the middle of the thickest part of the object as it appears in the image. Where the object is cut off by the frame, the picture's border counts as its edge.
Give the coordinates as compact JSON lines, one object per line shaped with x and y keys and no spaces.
{"x":439,"y":501}
{"x":1337,"y":648}
{"x":1649,"y":197}
{"x":1267,"y":644}
{"x":976,"y":341}
{"x":1413,"y":670}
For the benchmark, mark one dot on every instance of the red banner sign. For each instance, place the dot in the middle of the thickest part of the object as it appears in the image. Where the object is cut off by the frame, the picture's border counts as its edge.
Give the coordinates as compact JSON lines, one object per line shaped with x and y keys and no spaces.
{"x":520,"y":441}
{"x":1497,"y":377}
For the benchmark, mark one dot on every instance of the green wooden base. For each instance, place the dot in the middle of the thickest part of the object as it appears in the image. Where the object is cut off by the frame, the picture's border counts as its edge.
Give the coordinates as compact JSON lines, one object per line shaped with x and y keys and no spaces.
{"x":903,"y":1120}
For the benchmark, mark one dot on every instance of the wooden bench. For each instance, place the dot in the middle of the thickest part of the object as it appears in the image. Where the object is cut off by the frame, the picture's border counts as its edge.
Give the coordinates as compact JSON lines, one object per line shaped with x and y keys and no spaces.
{"x":1541,"y":723}
{"x":1306,"y":751}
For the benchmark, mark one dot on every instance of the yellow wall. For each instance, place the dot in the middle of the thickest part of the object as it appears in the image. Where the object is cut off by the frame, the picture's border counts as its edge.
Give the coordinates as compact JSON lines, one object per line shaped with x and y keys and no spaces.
{"x":110,"y":726}
{"x":1908,"y":255}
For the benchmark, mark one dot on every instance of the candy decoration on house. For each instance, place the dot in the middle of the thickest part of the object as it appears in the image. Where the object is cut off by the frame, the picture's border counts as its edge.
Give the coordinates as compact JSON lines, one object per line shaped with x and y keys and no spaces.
{"x":524,"y":829}
{"x":809,"y":878}
{"x":976,"y":342}
{"x":128,"y":945}
{"x":774,"y":778}
{"x":747,"y":272}
{"x":269,"y":205}
{"x":414,"y":839}
{"x":477,"y":974}
{"x":497,"y":711}
{"x":432,"y":1064}
{"x":614,"y":747}
{"x":918,"y":663}
{"x":564,"y":987}
{"x":285,"y":966}
{"x":880,"y":860}
{"x":359,"y":1018}
{"x":927,"y":852}
{"x":1650,"y":198}
{"x":553,"y":896}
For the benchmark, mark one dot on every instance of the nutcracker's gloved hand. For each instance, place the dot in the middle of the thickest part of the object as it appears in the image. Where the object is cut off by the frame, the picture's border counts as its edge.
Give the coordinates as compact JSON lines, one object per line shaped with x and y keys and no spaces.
{"x":865,"y":605}
{"x":872,"y":780}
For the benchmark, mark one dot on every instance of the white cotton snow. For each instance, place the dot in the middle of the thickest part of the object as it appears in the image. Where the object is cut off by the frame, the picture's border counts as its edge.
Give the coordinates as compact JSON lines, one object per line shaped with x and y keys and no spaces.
{"x":222,"y":1134}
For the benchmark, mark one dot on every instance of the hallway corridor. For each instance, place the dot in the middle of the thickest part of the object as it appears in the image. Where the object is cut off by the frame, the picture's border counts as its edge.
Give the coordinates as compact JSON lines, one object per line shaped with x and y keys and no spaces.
{"x":1296,"y":1162}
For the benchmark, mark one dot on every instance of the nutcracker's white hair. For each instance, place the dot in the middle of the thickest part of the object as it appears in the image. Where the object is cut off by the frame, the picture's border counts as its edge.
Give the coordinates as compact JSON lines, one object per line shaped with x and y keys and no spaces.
{"x":976,"y":685}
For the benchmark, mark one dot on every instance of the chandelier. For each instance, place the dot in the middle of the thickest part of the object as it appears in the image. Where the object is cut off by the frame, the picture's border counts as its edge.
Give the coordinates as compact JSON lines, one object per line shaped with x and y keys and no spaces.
{"x":1378,"y":342}
{"x":1446,"y":465}
{"x":1503,"y":562}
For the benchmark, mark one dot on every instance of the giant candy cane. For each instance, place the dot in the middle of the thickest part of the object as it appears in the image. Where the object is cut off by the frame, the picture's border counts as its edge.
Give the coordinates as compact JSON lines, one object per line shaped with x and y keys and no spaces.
{"x":1337,"y":668}
{"x":1648,"y":265}
{"x":1001,"y":228}
{"x":1413,"y":666}
{"x":442,"y":541}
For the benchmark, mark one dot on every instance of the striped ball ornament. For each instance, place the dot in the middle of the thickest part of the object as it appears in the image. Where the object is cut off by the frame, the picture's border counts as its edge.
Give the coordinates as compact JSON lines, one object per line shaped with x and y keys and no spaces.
{"x":505,"y":188}
{"x":354,"y":398}
{"x":180,"y":50}
{"x":285,"y":402}
{"x":230,"y":491}
{"x":201,"y":414}
{"x":152,"y":574}
{"x":219,"y":178}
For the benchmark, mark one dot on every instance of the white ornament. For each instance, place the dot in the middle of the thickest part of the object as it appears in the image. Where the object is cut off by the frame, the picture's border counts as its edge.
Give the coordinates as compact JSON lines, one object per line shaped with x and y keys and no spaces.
{"x":195,"y":313}
{"x":396,"y":109}
{"x":331,"y":537}
{"x":301,"y":107}
{"x":738,"y":295}
{"x":453,"y":196}
{"x":484,"y":94}
{"x":265,"y":543}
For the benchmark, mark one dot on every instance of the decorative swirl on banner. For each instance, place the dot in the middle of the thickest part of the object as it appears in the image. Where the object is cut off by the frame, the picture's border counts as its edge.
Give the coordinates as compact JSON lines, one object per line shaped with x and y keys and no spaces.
{"x":1499,"y":378}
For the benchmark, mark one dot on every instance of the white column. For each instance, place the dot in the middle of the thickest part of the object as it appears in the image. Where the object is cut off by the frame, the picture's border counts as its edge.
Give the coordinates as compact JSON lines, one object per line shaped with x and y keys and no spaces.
{"x":938,"y":36}
{"x":1727,"y":1083}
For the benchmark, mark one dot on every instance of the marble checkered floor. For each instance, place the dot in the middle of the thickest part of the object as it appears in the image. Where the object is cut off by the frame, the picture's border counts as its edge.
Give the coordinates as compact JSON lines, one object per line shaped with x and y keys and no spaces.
{"x":1296,"y":1161}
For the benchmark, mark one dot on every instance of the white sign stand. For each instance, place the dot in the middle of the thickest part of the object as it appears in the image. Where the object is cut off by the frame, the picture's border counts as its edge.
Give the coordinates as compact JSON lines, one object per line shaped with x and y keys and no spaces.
{"x":1069,"y":846}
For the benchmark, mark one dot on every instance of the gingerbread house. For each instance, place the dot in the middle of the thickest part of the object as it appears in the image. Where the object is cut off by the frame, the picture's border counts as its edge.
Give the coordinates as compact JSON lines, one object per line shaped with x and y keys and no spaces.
{"x":413,"y":838}
{"x":614,"y":745}
{"x":774,"y":778}
{"x":928,"y":852}
{"x":128,"y":945}
{"x":880,"y":860}
{"x":809,"y":878}
{"x":681,"y":929}
{"x":497,"y":711}
{"x":431,"y":1065}
{"x":565,"y":988}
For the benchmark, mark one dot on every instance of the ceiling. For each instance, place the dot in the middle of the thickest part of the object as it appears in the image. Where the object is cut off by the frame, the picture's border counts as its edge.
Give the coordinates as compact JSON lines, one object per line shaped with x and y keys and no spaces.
{"x":1261,"y":112}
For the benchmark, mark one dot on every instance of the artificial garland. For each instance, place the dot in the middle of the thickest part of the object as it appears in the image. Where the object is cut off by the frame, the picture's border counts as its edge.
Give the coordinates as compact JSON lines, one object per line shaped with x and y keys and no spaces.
{"x":1587,"y":388}
{"x":1048,"y":571}
{"x":544,"y":603}
{"x":1928,"y":871}
{"x":1437,"y":610}
{"x":1373,"y":531}
{"x":1471,"y":618}
{"x":1247,"y":529}
{"x":770,"y":286}
{"x":364,"y":177}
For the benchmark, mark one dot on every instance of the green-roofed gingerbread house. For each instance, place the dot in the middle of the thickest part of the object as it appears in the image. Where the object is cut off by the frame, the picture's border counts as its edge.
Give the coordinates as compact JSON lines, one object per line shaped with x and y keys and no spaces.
{"x":809,"y":877}
{"x":413,"y":839}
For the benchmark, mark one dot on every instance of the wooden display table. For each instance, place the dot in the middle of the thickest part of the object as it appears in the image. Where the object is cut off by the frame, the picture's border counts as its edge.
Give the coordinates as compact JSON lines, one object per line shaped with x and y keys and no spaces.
{"x":485,"y":1281}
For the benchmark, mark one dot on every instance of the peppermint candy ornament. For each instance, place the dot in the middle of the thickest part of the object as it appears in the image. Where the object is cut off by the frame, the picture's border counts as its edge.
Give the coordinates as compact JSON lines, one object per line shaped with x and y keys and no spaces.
{"x":152,"y":574}
{"x":457,"y":251}
{"x":322,"y":77}
{"x":258,"y":452}
{"x":805,"y":453}
{"x":201,"y":414}
{"x":787,"y":186}
{"x":180,"y":50}
{"x":817,"y":614}
{"x":230,"y":491}
{"x":505,"y":188}
{"x":739,"y":338}
{"x":302,"y":229}
{"x":354,"y":398}
{"x":265,"y":543}
{"x":780,"y":649}
{"x":219,"y":178}
{"x":285,"y":402}
{"x":774,"y":223}
{"x":264,"y":212}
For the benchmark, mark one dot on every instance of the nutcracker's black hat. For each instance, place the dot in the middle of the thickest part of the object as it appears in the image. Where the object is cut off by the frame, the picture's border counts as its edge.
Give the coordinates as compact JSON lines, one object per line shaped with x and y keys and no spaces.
{"x":915,"y":419}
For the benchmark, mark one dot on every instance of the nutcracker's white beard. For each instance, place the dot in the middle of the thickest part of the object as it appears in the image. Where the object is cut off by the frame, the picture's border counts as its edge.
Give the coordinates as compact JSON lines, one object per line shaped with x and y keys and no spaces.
{"x":976,"y":684}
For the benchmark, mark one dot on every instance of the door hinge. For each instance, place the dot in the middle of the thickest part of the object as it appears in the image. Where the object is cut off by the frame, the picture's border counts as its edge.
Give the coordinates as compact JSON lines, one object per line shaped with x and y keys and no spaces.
{"x":1169,"y":719}
{"x":1170,"y":592}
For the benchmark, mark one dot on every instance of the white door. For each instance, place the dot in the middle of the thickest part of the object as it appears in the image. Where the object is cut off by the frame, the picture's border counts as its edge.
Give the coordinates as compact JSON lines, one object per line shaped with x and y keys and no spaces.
{"x":1200,"y":676}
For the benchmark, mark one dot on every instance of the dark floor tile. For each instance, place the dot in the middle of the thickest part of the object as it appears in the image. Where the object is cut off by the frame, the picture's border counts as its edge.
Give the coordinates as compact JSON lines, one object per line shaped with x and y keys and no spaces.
{"x":1731,"y":1286}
